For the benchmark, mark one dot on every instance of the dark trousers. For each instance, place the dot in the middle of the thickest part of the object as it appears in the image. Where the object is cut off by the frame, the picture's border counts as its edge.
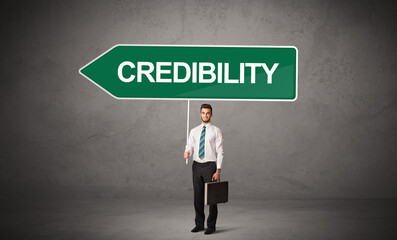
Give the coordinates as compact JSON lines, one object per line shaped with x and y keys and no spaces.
{"x":202,"y":173}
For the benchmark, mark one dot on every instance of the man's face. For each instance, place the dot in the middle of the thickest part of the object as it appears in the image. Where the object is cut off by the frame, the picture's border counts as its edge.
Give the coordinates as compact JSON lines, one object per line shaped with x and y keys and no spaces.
{"x":206,"y":115}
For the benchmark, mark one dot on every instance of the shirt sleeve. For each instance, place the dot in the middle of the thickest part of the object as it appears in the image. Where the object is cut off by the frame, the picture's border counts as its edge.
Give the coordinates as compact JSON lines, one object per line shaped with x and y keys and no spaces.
{"x":219,"y":149}
{"x":190,"y":145}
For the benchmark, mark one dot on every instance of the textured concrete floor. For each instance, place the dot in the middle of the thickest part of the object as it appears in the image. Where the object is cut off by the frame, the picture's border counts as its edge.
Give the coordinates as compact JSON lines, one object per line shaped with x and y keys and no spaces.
{"x":170,"y":219}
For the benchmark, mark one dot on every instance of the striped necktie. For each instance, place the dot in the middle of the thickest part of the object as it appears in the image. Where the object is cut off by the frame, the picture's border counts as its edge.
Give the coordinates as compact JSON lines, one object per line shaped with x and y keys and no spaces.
{"x":202,"y":143}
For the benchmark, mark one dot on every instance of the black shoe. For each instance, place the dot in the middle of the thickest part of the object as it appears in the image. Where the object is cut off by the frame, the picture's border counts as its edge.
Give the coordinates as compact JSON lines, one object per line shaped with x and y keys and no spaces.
{"x":209,"y":231}
{"x":197,"y":229}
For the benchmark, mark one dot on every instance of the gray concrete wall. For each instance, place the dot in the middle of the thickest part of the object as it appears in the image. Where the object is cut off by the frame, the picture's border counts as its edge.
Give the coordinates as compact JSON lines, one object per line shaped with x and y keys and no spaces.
{"x":61,"y":133}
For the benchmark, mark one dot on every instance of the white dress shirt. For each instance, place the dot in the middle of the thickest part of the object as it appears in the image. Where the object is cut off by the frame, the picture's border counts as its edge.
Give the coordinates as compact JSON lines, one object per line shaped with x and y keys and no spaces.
{"x":213,"y":144}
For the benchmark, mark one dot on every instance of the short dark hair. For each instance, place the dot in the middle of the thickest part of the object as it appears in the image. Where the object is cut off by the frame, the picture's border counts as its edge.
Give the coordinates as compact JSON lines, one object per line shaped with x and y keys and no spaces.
{"x":206,"y":106}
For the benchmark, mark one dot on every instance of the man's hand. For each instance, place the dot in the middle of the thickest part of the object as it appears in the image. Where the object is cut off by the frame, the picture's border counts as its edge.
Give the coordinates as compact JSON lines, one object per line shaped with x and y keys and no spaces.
{"x":186,"y":155}
{"x":216,"y":177}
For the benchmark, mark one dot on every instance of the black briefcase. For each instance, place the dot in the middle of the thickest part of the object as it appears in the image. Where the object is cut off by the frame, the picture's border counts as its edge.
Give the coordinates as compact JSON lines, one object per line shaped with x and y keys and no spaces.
{"x":216,"y":192}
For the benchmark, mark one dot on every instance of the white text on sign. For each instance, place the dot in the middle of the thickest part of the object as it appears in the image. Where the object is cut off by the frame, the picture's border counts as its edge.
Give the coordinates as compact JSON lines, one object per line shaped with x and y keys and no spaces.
{"x":214,"y":72}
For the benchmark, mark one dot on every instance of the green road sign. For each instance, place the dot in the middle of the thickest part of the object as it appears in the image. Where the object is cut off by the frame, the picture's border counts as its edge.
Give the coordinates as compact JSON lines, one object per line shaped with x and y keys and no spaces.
{"x":177,"y":72}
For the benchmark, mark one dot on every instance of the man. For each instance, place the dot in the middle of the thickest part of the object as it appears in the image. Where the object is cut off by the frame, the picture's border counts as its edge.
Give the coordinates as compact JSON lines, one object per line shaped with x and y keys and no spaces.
{"x":206,"y":146}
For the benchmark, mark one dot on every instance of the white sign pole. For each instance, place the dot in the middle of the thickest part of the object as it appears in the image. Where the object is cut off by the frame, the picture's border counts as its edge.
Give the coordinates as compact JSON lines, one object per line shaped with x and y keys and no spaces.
{"x":187,"y":127}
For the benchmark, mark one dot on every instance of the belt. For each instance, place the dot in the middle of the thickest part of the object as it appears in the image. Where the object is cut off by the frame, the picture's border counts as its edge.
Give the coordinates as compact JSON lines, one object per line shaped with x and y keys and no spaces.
{"x":203,"y":164}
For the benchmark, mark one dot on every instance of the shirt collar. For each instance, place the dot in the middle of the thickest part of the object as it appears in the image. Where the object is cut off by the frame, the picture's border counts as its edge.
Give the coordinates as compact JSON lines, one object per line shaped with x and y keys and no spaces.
{"x":206,"y":126}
